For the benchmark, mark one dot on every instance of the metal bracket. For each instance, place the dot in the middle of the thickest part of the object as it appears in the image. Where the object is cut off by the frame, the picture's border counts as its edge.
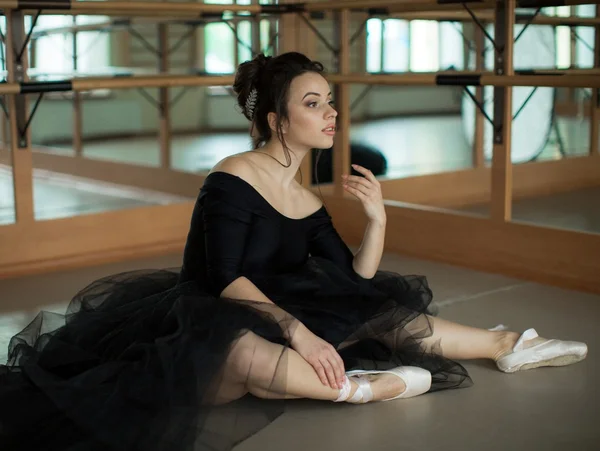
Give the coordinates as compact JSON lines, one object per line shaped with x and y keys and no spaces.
{"x":239,"y":41}
{"x":23,"y":131}
{"x":157,"y":104}
{"x":525,"y":102}
{"x":3,"y":106}
{"x":479,"y":105}
{"x":143,"y":40}
{"x":325,"y":41}
{"x":183,"y":38}
{"x":361,"y":96}
{"x":322,"y":38}
{"x":19,"y":56}
{"x":487,"y":35}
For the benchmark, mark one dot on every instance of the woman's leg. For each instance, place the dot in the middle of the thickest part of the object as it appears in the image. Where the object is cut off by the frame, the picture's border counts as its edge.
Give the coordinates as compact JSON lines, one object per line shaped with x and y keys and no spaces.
{"x":455,"y":341}
{"x":268,"y":370}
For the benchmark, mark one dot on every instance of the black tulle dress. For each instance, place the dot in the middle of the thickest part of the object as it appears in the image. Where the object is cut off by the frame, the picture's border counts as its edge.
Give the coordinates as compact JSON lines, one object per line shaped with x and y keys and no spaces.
{"x":135,"y":359}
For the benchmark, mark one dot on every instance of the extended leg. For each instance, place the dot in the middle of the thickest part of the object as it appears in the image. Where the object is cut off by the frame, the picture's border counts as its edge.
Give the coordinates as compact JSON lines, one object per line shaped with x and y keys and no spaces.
{"x":453,"y":340}
{"x":268,"y":370}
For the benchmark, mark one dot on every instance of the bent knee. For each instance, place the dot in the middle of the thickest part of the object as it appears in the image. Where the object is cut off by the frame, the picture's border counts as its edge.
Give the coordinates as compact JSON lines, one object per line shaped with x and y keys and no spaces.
{"x":252,"y":353}
{"x":239,"y":360}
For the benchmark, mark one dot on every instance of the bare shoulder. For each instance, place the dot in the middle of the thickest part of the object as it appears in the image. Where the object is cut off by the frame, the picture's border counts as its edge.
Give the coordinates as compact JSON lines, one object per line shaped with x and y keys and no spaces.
{"x":239,"y":165}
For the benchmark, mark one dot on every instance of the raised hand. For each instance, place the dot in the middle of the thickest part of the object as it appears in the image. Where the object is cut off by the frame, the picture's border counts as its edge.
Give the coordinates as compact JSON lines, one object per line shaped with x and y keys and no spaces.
{"x":368,"y":190}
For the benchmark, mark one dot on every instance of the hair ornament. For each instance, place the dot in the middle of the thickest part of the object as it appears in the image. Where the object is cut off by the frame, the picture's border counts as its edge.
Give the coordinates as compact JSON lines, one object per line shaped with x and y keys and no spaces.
{"x":251,"y":103}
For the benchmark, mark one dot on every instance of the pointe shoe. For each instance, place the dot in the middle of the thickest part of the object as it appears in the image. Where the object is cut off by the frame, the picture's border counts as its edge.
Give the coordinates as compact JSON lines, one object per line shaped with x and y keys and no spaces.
{"x":417,"y":381}
{"x":546,"y":353}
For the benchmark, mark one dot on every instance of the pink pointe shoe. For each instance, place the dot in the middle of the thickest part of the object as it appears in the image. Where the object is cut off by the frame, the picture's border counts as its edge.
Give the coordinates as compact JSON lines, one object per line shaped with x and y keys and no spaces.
{"x":541,"y":352}
{"x":417,"y":381}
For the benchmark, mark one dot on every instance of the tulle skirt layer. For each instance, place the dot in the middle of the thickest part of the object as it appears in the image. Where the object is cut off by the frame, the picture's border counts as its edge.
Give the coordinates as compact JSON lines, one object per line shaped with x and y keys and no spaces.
{"x":137,"y":361}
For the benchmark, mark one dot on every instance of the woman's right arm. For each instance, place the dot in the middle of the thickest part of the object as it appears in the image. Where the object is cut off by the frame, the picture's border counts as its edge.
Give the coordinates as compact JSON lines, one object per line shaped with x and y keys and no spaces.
{"x":321,"y":355}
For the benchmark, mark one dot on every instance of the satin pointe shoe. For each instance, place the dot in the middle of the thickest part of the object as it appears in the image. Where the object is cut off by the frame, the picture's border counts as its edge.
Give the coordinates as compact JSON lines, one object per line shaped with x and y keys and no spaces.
{"x":540,"y":352}
{"x":417,"y":381}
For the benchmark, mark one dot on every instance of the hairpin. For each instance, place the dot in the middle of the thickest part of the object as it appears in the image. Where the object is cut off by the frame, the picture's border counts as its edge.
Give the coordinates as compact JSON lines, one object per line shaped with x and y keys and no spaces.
{"x":251,"y":103}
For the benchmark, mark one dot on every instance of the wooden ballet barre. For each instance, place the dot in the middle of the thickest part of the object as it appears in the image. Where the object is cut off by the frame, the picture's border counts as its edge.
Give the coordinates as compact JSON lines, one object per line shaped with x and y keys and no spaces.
{"x":114,"y":72}
{"x":431,"y":5}
{"x":489,"y":17}
{"x":10,"y":88}
{"x":91,"y":83}
{"x":72,"y":29}
{"x":130,"y":7}
{"x":551,"y":71}
{"x":109,"y":71}
{"x":124,"y":22}
{"x":450,"y":79}
{"x":425,"y":79}
{"x":169,"y":8}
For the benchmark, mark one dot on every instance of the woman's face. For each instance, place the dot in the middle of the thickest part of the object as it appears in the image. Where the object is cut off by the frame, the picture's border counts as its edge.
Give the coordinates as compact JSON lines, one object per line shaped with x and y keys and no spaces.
{"x":312,"y":119}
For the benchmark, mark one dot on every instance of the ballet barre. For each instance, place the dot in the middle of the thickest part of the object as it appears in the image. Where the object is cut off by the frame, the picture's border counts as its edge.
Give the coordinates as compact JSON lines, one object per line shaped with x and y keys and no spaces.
{"x":578,"y":79}
{"x":188,"y":8}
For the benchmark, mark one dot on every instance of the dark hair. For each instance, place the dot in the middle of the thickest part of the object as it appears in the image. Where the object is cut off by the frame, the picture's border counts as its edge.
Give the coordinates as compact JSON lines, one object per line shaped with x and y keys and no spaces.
{"x":262,"y":86}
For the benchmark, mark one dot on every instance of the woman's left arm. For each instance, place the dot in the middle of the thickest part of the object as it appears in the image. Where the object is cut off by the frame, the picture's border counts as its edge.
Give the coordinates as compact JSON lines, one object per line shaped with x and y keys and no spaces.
{"x":368,"y":190}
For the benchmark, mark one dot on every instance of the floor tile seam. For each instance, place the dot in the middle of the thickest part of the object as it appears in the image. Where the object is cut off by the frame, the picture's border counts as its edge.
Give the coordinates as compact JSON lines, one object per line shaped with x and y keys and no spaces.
{"x":471,"y":297}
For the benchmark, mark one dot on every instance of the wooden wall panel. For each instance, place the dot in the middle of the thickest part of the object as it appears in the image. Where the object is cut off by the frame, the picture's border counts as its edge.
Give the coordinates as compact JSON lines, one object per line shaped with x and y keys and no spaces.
{"x":473,"y":186}
{"x":550,"y":256}
{"x":46,"y":246}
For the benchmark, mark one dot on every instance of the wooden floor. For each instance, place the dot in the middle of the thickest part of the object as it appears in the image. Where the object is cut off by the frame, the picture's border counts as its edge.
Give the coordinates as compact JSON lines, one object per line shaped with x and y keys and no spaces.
{"x":412,"y":146}
{"x":546,"y":409}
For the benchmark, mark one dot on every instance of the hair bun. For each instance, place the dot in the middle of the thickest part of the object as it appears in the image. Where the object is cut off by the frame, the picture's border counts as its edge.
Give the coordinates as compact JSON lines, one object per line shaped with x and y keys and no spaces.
{"x":247,"y":82}
{"x":262,"y":60}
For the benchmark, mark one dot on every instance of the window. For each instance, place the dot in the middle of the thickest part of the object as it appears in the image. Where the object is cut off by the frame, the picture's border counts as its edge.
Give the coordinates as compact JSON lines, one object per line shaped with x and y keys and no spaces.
{"x":425,"y":48}
{"x":224,"y":50}
{"x":395,"y":45}
{"x":54,"y":53}
{"x":374,"y":45}
{"x":219,"y":45}
{"x":562,"y":37}
{"x":268,"y":32}
{"x":396,"y":56}
{"x":452,"y":46}
{"x":219,"y":48}
{"x":584,"y":38}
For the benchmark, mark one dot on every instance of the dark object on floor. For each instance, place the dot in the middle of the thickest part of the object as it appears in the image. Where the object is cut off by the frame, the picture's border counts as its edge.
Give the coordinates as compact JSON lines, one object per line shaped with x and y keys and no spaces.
{"x":361,"y":154}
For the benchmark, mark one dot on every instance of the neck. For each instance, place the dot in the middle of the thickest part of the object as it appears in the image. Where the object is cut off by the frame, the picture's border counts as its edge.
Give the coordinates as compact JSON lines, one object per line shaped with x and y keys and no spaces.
{"x":285,"y":176}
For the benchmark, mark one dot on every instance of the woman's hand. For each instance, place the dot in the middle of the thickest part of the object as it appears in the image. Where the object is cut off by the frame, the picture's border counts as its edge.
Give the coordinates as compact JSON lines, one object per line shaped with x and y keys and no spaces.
{"x":321,"y":356}
{"x":368,"y":190}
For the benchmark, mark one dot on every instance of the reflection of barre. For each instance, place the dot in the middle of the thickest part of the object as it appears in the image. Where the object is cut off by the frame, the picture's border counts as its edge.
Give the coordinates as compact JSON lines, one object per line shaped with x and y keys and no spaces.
{"x":557,"y":79}
{"x":124,"y":23}
{"x":105,"y":72}
{"x":171,"y":81}
{"x":122,"y":71}
{"x":127,"y":7}
{"x":139,"y":8}
{"x":89,"y":84}
{"x":442,"y":16}
{"x":430,"y":5}
{"x":489,"y":16}
{"x":109,"y":71}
